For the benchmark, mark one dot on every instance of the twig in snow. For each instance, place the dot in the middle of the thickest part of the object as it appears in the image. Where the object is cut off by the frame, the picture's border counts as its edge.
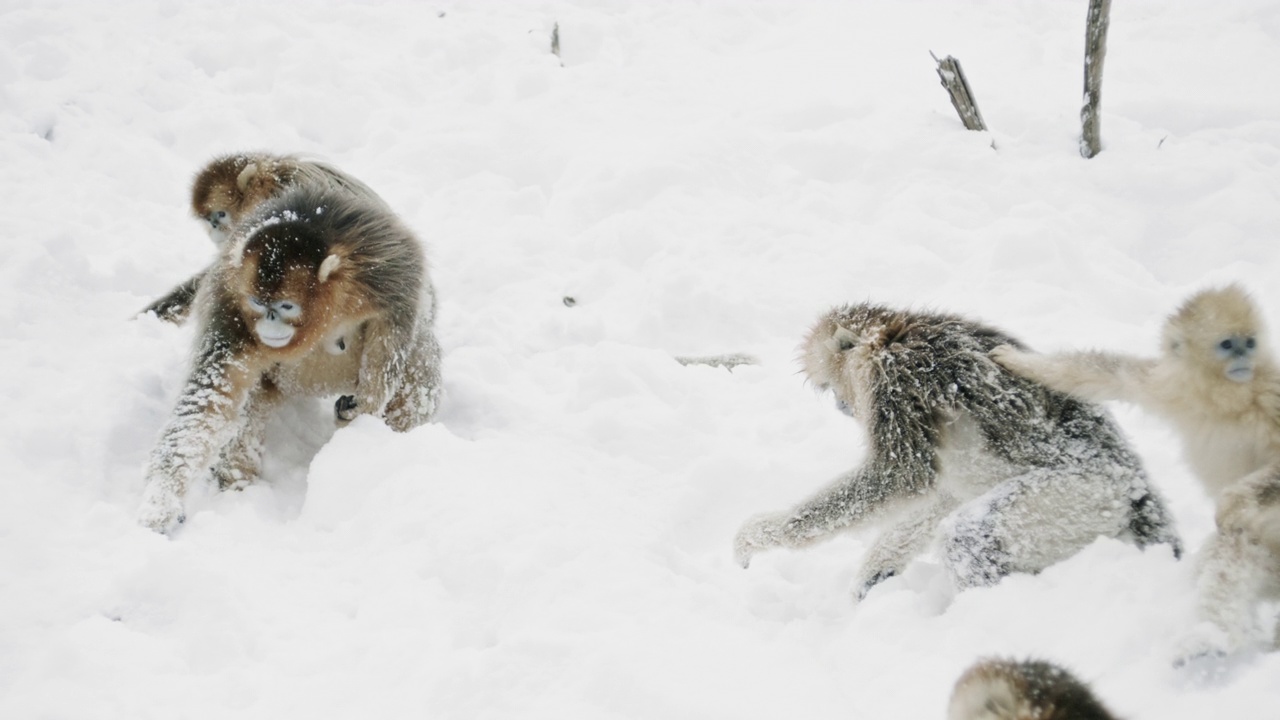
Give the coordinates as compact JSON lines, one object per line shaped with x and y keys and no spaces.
{"x":729,"y":362}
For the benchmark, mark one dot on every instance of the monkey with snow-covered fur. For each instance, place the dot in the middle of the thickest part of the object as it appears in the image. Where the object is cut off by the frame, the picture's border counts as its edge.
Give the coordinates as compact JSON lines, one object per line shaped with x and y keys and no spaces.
{"x":995,"y":689}
{"x":230,"y":186}
{"x":1007,"y":474}
{"x":1219,"y":385}
{"x":317,"y":292}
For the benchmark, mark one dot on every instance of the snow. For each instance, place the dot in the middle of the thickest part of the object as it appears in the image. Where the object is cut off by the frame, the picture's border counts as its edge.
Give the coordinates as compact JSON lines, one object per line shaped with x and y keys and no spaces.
{"x":703,"y":179}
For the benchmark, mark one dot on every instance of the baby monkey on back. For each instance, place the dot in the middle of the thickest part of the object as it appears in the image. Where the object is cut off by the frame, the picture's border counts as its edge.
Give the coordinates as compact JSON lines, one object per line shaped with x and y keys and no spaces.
{"x":1218,"y":383}
{"x":230,"y":187}
{"x":318,"y":290}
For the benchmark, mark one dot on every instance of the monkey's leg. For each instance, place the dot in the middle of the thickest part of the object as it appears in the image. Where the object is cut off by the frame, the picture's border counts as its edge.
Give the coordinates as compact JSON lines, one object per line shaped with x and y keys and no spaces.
{"x":1231,"y":575}
{"x":176,"y":304}
{"x":241,"y":459}
{"x":1030,"y":522}
{"x":417,"y":398}
{"x":383,"y":364}
{"x":900,"y":544}
{"x":1252,"y":505}
{"x":206,"y":418}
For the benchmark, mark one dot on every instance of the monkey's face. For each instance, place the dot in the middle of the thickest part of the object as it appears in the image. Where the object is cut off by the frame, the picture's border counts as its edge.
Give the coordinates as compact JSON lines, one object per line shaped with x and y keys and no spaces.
{"x":281,"y":287}
{"x":220,"y":221}
{"x":276,"y":322}
{"x":1236,"y":353}
{"x":216,"y":205}
{"x":829,"y":357}
{"x":1218,"y":332}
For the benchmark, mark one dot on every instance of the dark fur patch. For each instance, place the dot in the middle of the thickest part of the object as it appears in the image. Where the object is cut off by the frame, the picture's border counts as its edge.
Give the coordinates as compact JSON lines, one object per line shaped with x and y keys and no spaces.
{"x":281,"y":248}
{"x":1269,"y":494}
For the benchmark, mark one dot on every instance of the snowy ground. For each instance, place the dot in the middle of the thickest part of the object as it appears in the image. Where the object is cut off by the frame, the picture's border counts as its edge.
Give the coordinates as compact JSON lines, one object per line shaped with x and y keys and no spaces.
{"x":702,"y":178}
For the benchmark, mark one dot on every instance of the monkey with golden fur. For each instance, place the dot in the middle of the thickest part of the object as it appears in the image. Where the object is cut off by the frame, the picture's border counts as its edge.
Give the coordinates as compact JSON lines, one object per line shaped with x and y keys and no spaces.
{"x":230,"y":187}
{"x":1217,"y":382}
{"x":996,"y":689}
{"x":317,"y":292}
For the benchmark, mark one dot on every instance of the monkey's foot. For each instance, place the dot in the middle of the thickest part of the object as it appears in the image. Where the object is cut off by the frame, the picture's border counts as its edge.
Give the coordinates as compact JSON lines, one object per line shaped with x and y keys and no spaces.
{"x":865,"y":587}
{"x":344,"y":409}
{"x":161,"y":510}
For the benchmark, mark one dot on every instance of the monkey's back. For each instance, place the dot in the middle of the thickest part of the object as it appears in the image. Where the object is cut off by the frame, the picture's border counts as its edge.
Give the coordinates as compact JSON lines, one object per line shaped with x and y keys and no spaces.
{"x":937,"y":366}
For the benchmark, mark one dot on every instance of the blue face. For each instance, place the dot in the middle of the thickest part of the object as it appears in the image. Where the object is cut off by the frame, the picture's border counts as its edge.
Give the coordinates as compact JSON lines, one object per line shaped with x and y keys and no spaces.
{"x":1236,"y":353}
{"x":273,"y":325}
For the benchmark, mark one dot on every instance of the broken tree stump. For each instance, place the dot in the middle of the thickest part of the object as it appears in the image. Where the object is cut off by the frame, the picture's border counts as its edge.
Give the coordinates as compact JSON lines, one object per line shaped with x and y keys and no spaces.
{"x":957,"y":86}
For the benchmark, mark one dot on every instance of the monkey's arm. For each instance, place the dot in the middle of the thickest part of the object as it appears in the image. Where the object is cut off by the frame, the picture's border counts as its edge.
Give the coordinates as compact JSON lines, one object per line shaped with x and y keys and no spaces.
{"x":900,"y":467}
{"x":1092,"y":375}
{"x":204,"y":420}
{"x":383,"y":363}
{"x":176,"y":304}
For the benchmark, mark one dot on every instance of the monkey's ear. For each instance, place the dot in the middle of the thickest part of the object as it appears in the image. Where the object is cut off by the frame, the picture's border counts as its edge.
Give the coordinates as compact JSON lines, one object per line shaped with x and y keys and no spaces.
{"x":246,"y":176}
{"x":327,"y":267}
{"x":842,"y":339}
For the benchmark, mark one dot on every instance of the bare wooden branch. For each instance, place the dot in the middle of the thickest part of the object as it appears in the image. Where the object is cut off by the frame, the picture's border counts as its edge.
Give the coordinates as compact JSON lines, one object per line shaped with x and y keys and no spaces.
{"x":957,"y":86}
{"x":555,"y":40}
{"x":728,"y":362}
{"x":1095,"y":53}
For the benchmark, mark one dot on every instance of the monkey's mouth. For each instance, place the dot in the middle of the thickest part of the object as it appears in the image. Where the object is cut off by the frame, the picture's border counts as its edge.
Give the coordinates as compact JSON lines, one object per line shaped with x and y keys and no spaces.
{"x":1240,"y":373}
{"x":273,"y":334}
{"x":275,"y":342}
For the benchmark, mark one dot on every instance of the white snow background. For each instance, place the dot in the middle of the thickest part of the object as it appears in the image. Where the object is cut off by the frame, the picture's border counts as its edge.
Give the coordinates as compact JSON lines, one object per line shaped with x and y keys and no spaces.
{"x":702,"y":178}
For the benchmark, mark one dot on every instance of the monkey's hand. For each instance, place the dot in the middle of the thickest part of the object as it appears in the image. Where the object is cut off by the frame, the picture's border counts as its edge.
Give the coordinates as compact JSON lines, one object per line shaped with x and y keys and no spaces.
{"x":176,"y":305}
{"x":760,"y":533}
{"x":161,"y":509}
{"x":345,"y":409}
{"x":1012,"y":359}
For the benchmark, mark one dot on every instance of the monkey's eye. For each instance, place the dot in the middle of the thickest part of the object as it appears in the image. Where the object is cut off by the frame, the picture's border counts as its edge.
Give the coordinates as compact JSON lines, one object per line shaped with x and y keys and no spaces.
{"x":221,"y":214}
{"x":1250,"y":343}
{"x":287,"y":309}
{"x":257,"y":305}
{"x":845,"y":345}
{"x":1225,"y":344}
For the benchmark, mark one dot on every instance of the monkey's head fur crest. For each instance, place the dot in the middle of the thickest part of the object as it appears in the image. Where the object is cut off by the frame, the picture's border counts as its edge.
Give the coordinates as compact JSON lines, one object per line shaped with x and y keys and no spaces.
{"x":1218,"y":331}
